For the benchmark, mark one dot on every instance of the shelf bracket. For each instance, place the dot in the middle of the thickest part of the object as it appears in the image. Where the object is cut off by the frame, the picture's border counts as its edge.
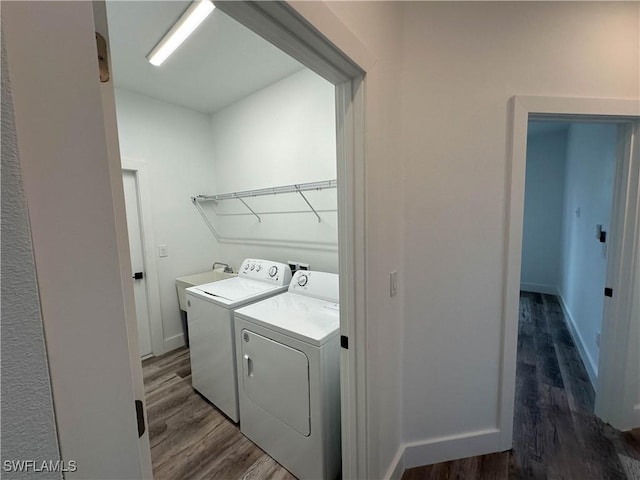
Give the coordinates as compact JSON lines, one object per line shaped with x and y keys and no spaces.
{"x":310,"y":206}
{"x":250,"y":209}
{"x":204,"y":216}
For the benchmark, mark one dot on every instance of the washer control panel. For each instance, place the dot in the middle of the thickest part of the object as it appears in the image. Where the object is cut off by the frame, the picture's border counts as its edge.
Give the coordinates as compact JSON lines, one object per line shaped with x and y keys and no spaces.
{"x":321,"y":285}
{"x":265,"y":271}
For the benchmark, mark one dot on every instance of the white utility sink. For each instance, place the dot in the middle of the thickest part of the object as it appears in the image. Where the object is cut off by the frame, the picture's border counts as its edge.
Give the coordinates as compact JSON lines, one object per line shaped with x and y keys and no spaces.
{"x":182,"y":283}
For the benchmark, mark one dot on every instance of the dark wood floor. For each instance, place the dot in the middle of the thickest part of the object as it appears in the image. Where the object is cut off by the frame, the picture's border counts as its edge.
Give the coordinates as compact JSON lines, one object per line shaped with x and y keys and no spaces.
{"x":556,"y":435}
{"x":191,"y":439}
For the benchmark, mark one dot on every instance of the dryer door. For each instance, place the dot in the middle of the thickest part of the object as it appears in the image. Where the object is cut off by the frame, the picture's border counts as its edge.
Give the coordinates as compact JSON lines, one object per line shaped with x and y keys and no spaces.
{"x":276,"y":378}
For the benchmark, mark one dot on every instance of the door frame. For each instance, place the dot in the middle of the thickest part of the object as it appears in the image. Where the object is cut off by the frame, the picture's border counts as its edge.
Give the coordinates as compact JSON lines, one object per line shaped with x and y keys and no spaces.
{"x":141,"y":174}
{"x":283,"y":26}
{"x":521,"y":107}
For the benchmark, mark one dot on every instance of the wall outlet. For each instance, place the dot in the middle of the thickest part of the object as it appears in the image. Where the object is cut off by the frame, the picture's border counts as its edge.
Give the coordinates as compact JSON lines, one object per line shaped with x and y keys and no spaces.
{"x":295,"y":266}
{"x":598,"y":339}
{"x":163,"y":251}
{"x":393,"y":283}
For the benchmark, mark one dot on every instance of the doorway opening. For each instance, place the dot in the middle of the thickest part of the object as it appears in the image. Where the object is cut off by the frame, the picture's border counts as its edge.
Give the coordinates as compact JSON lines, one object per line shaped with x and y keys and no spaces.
{"x":346,"y":79}
{"x":570,"y":173}
{"x":569,"y":183}
{"x":615,"y":365}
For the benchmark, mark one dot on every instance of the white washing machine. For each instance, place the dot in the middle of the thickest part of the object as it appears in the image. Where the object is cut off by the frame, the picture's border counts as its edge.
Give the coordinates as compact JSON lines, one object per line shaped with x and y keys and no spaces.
{"x":288,"y":357}
{"x":211,"y":332}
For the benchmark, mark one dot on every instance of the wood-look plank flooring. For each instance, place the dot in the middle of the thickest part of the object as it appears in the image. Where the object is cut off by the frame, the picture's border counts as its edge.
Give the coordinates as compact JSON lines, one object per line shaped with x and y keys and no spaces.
{"x":556,"y":435}
{"x":190,"y":438}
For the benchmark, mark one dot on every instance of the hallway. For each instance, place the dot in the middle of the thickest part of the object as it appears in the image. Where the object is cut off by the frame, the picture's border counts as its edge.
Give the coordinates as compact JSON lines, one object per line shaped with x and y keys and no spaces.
{"x":556,"y":435}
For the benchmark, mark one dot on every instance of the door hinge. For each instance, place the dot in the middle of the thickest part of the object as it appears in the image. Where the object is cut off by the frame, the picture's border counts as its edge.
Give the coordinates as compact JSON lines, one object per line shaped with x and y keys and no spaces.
{"x":608,"y":292}
{"x":140,"y":417}
{"x":344,"y":342}
{"x":103,"y":62}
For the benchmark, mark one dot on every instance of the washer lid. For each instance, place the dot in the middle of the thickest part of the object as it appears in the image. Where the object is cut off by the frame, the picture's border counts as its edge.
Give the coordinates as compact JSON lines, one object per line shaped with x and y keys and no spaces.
{"x":233,"y":290}
{"x":308,"y":319}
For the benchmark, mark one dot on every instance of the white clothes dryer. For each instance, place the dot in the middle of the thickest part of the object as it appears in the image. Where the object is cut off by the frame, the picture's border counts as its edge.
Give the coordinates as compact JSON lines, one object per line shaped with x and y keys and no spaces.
{"x":211,"y":331}
{"x":288,"y":356}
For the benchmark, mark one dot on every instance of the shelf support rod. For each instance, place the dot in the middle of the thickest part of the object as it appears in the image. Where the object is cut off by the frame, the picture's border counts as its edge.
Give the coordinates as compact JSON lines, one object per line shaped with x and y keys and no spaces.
{"x":250,"y":209}
{"x":310,"y":206}
{"x":204,"y":217}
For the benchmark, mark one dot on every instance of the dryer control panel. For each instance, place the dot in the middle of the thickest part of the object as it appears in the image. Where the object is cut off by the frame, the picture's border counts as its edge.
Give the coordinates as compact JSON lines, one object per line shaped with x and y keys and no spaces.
{"x":265,"y":271}
{"x":320,"y":285}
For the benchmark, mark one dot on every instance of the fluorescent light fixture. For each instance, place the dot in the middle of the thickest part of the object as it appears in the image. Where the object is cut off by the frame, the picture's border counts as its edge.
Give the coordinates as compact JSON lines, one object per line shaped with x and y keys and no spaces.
{"x":188,"y":22}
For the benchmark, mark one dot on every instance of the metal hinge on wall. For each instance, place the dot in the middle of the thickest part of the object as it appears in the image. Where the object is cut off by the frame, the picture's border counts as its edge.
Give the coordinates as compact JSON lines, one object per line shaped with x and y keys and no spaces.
{"x":103,"y":62}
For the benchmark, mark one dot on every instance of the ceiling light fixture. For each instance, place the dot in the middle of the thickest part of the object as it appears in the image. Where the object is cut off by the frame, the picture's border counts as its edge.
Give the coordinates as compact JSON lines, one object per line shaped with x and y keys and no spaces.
{"x":186,"y":24}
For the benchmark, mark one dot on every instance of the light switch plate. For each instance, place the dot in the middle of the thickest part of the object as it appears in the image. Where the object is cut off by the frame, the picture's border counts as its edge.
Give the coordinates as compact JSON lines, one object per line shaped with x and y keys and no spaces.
{"x":393,"y":283}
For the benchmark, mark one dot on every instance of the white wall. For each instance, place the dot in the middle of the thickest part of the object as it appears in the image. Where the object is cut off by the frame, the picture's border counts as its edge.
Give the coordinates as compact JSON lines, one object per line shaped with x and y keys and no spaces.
{"x":283,"y":134}
{"x":462,"y":64}
{"x":28,"y":427}
{"x":591,"y":161}
{"x":544,"y":197}
{"x":174,"y":143}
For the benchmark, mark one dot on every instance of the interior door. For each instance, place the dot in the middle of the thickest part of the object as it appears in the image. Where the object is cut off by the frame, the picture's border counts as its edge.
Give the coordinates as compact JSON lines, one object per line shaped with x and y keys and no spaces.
{"x":132,"y":207}
{"x":70,"y":166}
{"x":115,"y":176}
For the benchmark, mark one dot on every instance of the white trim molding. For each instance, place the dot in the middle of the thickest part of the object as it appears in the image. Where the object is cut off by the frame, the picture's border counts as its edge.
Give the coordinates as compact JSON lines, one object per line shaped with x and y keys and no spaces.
{"x":539,"y":288}
{"x":397,"y":467}
{"x":451,"y":447}
{"x":443,"y":449}
{"x":174,"y":342}
{"x":521,"y":108}
{"x":589,"y":364}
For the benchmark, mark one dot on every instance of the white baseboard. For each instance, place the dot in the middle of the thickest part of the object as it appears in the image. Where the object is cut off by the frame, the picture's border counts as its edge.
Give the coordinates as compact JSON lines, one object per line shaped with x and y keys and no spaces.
{"x":174,"y":342}
{"x":397,"y":467}
{"x":588,"y":362}
{"x":443,"y":449}
{"x":539,"y":288}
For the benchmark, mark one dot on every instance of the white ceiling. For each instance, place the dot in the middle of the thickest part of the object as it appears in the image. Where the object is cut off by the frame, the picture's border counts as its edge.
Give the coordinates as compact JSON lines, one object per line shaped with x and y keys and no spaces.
{"x":220,"y":63}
